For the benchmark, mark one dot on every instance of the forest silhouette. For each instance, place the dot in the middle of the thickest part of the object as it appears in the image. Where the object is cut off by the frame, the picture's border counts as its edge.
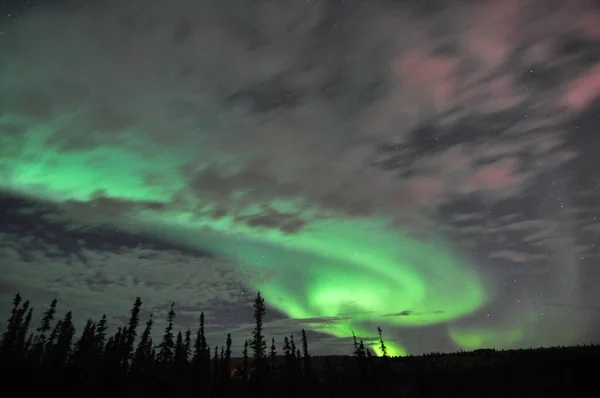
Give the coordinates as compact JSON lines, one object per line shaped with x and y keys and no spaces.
{"x":51,"y":359}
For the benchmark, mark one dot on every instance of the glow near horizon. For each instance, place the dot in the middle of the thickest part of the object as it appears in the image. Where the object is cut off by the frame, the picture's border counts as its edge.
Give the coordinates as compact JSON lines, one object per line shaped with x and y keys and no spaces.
{"x":353,"y":271}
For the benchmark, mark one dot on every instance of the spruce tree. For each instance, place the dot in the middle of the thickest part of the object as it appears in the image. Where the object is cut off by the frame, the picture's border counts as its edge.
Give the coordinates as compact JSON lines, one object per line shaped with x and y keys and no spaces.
{"x":306,"y":355}
{"x":9,"y":344}
{"x":227,"y":360}
{"x":215,"y":365}
{"x":288,"y":356}
{"x":382,"y":346}
{"x":22,"y":346}
{"x":200,"y":346}
{"x":131,"y":332}
{"x":187,"y":345}
{"x":44,"y":327}
{"x":245,"y":360}
{"x":273,"y":353}
{"x":167,"y":345}
{"x":143,"y":352}
{"x":84,"y":347}
{"x":201,"y":363}
{"x":179,"y":357}
{"x":113,"y":351}
{"x":258,"y":343}
{"x":293,"y":357}
{"x":100,"y":335}
{"x":61,"y":348}
{"x":51,"y":341}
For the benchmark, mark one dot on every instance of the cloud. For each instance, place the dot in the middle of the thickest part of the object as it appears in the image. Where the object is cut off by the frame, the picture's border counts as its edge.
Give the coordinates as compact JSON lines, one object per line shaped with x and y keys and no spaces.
{"x":156,"y":80}
{"x":92,"y":282}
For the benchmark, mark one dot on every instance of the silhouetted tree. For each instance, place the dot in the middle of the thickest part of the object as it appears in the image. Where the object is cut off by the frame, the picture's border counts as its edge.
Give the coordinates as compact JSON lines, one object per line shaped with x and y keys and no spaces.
{"x":228,"y":347}
{"x":39,"y":344}
{"x":292,"y":345}
{"x":22,"y":344}
{"x":201,"y":362}
{"x":9,"y":336}
{"x":167,"y":345}
{"x":84,"y":347}
{"x":245,"y":359}
{"x":382,"y":346}
{"x":187,"y":345}
{"x":179,"y":357}
{"x":143,"y":352}
{"x":226,"y":363}
{"x":10,"y":345}
{"x":62,"y":340}
{"x":273,"y":353}
{"x":306,"y":355}
{"x":200,"y":346}
{"x":100,"y":335}
{"x":288,"y":356}
{"x":114,"y":349}
{"x":215,"y":366}
{"x":131,"y":332}
{"x":359,"y":354}
{"x":258,"y":342}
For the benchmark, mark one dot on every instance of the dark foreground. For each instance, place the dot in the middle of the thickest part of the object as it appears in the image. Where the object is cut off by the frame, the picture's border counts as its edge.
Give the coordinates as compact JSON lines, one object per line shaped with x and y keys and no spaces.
{"x":50,"y":360}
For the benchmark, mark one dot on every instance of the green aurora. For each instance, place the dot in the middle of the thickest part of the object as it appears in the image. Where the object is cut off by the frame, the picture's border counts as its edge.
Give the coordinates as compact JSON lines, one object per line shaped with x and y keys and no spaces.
{"x":356,"y":272}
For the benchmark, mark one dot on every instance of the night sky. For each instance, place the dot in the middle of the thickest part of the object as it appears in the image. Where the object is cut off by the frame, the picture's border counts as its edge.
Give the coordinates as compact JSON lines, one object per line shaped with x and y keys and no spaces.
{"x":430,"y":167}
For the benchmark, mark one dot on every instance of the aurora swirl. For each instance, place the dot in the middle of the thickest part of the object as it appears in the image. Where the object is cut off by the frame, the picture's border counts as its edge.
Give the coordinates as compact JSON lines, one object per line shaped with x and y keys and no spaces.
{"x":352,"y":271}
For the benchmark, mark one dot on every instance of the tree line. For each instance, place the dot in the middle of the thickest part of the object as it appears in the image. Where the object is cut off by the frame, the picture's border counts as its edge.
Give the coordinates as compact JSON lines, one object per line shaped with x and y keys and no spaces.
{"x":51,"y":358}
{"x":180,"y":364}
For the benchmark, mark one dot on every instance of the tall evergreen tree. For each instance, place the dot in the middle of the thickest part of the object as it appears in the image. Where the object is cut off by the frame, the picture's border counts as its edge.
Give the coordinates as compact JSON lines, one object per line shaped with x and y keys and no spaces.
{"x":245,"y":360}
{"x":306,"y":355}
{"x":200,"y":360}
{"x":143,"y":352}
{"x":39,"y":341}
{"x":114,"y":349}
{"x":51,"y":341}
{"x":288,"y":357}
{"x":10,"y":344}
{"x":179,"y":357}
{"x":84,"y":347}
{"x":22,"y":345}
{"x":200,"y":346}
{"x":45,"y":325}
{"x":61,"y":348}
{"x":167,"y":345}
{"x":215,"y":365}
{"x":258,"y":342}
{"x":273,"y":353}
{"x":292,"y":347}
{"x":100,"y":335}
{"x":382,"y":346}
{"x":227,"y":358}
{"x":187,"y":345}
{"x":131,"y":332}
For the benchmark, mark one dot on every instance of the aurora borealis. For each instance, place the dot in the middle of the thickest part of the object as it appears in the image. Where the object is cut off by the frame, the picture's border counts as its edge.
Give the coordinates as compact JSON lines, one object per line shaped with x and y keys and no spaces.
{"x":426,"y":170}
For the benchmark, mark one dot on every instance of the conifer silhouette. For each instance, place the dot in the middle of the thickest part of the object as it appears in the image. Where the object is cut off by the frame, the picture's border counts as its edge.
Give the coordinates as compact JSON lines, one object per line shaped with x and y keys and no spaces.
{"x":131,"y":332}
{"x":143,"y":352}
{"x":258,"y":343}
{"x":167,"y":345}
